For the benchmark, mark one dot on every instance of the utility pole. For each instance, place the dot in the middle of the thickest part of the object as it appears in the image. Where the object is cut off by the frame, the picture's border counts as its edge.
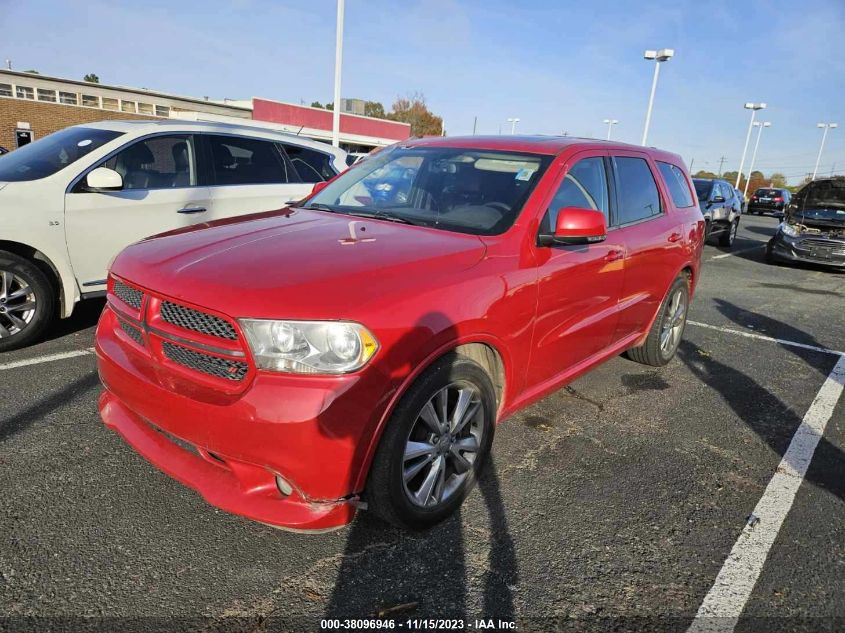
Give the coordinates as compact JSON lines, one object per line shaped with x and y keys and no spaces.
{"x":722,"y":160}
{"x":338,"y":63}
{"x":691,"y":163}
{"x":474,"y":125}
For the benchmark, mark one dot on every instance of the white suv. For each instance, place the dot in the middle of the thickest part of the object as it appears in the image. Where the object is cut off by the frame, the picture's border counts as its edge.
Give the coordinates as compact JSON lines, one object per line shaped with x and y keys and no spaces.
{"x":74,"y":199}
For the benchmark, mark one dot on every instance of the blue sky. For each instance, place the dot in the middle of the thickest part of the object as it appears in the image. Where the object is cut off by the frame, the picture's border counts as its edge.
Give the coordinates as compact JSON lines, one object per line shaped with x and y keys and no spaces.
{"x":557,"y":65}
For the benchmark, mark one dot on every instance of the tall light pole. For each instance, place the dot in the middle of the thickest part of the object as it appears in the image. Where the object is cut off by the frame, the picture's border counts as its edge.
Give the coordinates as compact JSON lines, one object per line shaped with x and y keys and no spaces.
{"x":760,"y":125}
{"x":826,"y":126}
{"x":513,"y":122}
{"x":338,"y":63}
{"x":663,"y":55}
{"x":753,"y":107}
{"x":610,"y":123}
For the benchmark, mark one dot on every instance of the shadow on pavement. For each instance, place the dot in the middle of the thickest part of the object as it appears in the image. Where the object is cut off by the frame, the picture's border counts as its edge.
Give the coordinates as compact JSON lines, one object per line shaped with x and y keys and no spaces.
{"x":85,"y":315}
{"x":425,"y":574}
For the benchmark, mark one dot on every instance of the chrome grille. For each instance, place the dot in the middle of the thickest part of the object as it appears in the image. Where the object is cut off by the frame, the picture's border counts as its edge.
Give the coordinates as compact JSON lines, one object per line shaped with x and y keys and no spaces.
{"x":205,"y":363}
{"x":197,"y":321}
{"x":826,"y":244}
{"x":132,"y":332}
{"x":129,"y":296}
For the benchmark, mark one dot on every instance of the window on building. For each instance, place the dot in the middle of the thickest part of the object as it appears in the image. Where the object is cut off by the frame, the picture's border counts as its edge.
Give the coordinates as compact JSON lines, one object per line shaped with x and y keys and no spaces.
{"x":584,"y":186}
{"x":5,"y":90}
{"x":162,"y":110}
{"x":159,"y":162}
{"x":311,"y":165}
{"x":246,"y":161}
{"x":127,"y":106}
{"x":90,"y":101}
{"x":638,"y":196}
{"x":145,"y":108}
{"x":22,"y":92}
{"x":110,"y":104}
{"x":677,"y":183}
{"x":46,"y":95}
{"x":70,"y":98}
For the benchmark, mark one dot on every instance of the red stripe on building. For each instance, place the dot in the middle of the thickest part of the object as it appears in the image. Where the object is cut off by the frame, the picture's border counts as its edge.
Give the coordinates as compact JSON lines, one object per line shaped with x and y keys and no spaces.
{"x":290,"y":114}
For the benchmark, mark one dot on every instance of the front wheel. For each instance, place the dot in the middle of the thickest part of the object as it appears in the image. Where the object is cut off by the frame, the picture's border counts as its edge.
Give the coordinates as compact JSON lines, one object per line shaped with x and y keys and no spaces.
{"x":727,"y":237}
{"x":27,"y":302}
{"x":665,"y":334}
{"x":434,"y":446}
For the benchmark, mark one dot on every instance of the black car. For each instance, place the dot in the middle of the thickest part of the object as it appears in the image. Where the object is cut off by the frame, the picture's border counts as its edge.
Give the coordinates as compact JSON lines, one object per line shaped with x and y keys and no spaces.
{"x":721,"y":207}
{"x":769,"y":200}
{"x":813,"y":229}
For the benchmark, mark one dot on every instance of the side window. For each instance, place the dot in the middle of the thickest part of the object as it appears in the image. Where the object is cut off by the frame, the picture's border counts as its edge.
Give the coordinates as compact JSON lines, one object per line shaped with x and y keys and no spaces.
{"x":159,"y":162}
{"x":718,"y":191}
{"x":584,"y":186}
{"x":237,"y":160}
{"x":677,"y":184}
{"x":311,"y":165}
{"x":638,"y":196}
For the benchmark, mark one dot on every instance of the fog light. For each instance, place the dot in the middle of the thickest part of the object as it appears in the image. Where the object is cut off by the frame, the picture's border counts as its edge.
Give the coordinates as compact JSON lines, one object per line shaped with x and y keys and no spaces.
{"x":284,"y":487}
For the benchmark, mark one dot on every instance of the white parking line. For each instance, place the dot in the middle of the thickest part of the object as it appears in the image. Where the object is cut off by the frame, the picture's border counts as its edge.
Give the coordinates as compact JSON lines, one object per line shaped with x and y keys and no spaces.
{"x":46,"y":359}
{"x":726,"y":600}
{"x":761,"y":337}
{"x":742,"y":250}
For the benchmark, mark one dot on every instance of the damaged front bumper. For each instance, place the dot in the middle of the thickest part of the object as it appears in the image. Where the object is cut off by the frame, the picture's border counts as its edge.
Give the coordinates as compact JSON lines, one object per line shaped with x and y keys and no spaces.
{"x":810,"y":248}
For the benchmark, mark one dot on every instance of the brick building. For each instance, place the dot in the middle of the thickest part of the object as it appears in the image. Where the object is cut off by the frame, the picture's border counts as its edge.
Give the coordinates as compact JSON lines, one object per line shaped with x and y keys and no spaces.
{"x":33,"y":105}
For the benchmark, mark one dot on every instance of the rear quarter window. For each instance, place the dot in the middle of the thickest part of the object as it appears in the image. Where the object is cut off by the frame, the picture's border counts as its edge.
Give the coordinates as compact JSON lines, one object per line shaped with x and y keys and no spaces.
{"x":676,"y":182}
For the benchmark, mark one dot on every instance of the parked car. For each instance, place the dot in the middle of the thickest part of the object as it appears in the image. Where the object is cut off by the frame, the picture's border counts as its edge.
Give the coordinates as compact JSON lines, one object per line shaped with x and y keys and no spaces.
{"x":743,"y":203}
{"x":721,"y":205}
{"x":813,"y":229}
{"x":355,"y":157}
{"x":291,"y":366}
{"x":72,"y":200}
{"x":769,"y":200}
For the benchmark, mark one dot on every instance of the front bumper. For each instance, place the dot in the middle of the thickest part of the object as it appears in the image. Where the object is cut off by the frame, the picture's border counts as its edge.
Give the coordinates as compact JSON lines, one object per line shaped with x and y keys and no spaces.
{"x":757,"y":207}
{"x":312,"y":431}
{"x":811,"y":251}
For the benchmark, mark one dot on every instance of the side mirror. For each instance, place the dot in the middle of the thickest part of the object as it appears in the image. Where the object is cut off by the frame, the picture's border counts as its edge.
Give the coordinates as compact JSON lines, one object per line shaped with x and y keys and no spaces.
{"x":104,"y":179}
{"x":577,"y":226}
{"x":318,"y":187}
{"x":718,"y":199}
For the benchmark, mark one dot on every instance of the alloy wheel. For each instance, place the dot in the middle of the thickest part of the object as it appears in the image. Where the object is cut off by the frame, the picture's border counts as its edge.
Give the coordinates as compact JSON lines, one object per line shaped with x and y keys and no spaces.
{"x":673,"y":322}
{"x":443,"y":444}
{"x":734,"y":229}
{"x":17,"y":304}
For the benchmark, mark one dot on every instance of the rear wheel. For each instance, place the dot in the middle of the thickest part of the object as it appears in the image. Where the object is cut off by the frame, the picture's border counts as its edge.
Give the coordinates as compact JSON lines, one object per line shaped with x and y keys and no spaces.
{"x":27,"y":302}
{"x":434,"y":445}
{"x":668,"y":328}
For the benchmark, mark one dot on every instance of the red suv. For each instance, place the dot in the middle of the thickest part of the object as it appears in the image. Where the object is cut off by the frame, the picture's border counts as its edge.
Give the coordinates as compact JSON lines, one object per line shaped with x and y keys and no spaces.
{"x":358,"y":349}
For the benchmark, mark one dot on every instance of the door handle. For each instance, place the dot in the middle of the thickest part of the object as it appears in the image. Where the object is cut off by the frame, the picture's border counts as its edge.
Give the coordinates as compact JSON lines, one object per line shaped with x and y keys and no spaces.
{"x":190,"y":208}
{"x":614,"y":255}
{"x":675,"y":237}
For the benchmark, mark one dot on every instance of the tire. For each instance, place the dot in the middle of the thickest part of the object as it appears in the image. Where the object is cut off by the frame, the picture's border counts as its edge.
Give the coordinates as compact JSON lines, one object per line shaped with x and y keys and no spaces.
{"x":403,"y":501}
{"x":727,"y":237}
{"x":27,"y":302}
{"x":651,"y":352}
{"x":708,"y":227}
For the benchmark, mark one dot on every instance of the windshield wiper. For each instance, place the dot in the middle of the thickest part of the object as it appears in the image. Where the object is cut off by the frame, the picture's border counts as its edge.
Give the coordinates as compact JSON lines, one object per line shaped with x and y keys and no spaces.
{"x":316,"y":206}
{"x":383,"y":215}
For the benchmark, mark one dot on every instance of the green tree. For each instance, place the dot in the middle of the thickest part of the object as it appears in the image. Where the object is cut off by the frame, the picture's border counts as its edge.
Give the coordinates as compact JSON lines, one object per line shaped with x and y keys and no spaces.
{"x":316,"y":104}
{"x":34,"y":72}
{"x":374,"y":109}
{"x":701,"y":173}
{"x":413,"y":109}
{"x":91,"y":78}
{"x":778,"y":180}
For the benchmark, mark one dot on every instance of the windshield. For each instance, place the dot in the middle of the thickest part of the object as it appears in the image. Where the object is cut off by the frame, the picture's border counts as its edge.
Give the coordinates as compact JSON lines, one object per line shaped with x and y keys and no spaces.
{"x":823,"y":201}
{"x":48,"y":155}
{"x":768,"y":193}
{"x":464,"y":190}
{"x":702,"y":189}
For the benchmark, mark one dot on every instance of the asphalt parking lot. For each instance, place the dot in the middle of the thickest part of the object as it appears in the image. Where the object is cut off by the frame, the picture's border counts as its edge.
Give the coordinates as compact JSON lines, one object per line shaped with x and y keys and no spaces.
{"x":614,"y":502}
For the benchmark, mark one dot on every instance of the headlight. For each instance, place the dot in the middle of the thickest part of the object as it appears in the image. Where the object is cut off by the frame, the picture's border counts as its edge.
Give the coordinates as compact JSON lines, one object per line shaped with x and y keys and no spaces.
{"x":789,"y":230}
{"x":309,"y":347}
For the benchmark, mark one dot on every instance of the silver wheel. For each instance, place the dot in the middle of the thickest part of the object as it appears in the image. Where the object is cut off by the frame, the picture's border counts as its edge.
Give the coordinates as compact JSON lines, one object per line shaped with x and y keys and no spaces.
{"x":734,"y":228}
{"x":673,"y":322}
{"x":443,"y":444}
{"x":17,"y":304}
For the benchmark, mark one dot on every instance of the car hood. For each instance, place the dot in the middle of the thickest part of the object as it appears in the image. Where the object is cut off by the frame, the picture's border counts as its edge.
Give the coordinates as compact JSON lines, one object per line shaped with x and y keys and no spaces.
{"x":296,"y":263}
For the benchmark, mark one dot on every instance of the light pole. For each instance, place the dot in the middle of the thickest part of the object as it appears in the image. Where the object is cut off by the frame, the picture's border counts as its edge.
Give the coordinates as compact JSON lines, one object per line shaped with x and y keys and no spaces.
{"x":513,"y":122}
{"x":826,"y":126}
{"x":664,"y":54}
{"x":753,"y":107}
{"x":338,"y":63}
{"x":760,"y":125}
{"x":610,"y":123}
